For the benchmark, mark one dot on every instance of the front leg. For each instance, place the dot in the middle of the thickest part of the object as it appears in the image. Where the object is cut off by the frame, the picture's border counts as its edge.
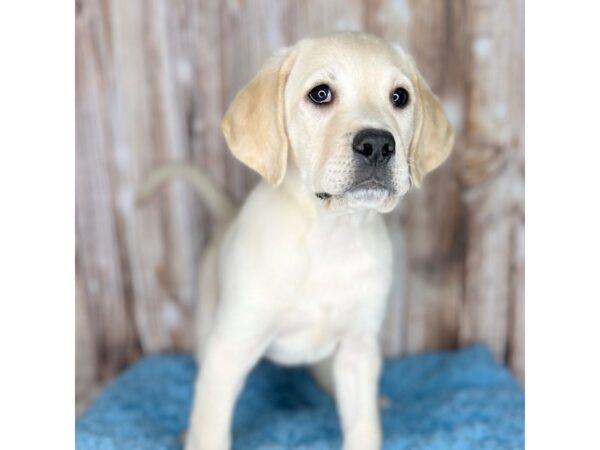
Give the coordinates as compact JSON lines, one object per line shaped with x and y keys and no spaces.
{"x":227,"y":360}
{"x":356,"y":369}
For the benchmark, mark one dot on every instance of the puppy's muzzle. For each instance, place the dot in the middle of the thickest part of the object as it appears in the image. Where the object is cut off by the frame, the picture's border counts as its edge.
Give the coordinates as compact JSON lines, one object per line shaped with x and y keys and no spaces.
{"x":374,"y":147}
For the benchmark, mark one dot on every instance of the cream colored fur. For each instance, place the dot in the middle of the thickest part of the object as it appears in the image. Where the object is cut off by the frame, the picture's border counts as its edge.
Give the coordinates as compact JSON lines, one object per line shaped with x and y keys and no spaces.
{"x":293,"y":277}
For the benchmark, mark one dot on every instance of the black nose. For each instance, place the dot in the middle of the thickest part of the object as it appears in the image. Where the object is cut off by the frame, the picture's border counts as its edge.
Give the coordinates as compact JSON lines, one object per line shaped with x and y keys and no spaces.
{"x":377,"y":146}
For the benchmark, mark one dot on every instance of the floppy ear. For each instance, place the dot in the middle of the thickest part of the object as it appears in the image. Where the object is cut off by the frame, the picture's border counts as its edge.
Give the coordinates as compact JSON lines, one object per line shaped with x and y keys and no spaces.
{"x":433,"y":135}
{"x":254,"y":125}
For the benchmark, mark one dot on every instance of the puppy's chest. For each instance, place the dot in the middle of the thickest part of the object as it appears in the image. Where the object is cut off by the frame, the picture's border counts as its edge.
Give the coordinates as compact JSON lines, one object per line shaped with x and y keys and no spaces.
{"x":343,"y":286}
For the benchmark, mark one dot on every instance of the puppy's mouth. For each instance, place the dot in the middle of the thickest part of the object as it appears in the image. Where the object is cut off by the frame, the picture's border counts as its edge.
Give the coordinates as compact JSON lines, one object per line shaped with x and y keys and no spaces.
{"x":367,"y":191}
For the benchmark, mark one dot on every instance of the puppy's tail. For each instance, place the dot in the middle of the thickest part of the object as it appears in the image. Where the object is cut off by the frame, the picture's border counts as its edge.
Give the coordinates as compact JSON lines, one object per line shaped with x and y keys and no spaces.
{"x":220,"y":203}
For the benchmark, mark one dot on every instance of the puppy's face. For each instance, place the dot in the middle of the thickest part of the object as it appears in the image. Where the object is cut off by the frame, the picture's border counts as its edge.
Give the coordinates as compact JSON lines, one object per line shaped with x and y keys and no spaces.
{"x":350,"y":119}
{"x":351,"y":111}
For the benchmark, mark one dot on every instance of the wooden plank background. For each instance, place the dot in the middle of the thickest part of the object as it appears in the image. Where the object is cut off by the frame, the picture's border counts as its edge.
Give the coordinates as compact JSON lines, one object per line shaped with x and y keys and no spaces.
{"x":153,"y":79}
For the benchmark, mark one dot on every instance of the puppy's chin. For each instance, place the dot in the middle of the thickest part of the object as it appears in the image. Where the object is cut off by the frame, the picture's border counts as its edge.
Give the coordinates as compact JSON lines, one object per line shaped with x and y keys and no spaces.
{"x":379,"y":200}
{"x":368,"y":198}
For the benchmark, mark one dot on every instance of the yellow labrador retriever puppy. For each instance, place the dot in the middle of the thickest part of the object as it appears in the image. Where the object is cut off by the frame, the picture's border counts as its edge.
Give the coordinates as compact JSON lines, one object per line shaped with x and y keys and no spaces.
{"x":339,"y":127}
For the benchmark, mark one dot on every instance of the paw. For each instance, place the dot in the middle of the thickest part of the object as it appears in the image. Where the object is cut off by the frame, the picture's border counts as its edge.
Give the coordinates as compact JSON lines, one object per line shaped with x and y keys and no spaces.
{"x":195,"y":441}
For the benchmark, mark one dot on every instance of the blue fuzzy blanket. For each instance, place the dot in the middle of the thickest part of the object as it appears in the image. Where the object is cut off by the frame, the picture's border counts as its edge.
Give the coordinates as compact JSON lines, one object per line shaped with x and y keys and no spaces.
{"x":447,"y":401}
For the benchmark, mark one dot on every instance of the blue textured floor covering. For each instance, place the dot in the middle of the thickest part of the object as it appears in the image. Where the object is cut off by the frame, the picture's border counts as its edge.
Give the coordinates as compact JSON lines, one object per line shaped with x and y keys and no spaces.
{"x":447,"y":401}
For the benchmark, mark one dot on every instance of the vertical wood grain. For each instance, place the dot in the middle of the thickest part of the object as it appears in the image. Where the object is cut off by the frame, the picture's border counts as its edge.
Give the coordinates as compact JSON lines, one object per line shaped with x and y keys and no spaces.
{"x":490,"y":170}
{"x":154,"y":78}
{"x":86,"y":369}
{"x":100,"y":266}
{"x":160,"y":238}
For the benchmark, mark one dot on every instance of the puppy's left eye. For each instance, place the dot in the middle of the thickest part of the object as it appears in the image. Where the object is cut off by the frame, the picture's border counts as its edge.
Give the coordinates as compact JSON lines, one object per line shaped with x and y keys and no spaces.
{"x":400,"y":97}
{"x":320,"y":94}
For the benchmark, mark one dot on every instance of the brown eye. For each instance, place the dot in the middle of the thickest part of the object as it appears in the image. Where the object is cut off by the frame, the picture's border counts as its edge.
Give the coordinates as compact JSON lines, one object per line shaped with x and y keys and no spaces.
{"x":320,"y":94}
{"x":399,"y":97}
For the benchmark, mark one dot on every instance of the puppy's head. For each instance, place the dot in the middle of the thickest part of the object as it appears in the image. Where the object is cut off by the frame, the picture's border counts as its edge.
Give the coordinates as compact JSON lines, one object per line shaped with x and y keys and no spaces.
{"x":350,"y":112}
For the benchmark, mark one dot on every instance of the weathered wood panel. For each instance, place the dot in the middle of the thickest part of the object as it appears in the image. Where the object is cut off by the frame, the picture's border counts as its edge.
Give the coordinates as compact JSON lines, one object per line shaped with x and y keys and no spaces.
{"x":491,"y":171}
{"x":101,"y":266}
{"x":153,"y":80}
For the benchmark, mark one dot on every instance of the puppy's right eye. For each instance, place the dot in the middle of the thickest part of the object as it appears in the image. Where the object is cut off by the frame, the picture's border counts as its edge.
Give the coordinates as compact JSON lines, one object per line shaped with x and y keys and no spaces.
{"x":321,"y":94}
